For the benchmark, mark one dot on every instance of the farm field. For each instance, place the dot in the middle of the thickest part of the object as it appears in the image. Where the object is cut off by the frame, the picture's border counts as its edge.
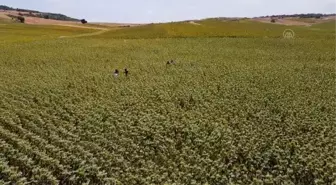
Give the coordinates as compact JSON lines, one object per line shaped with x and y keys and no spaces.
{"x":13,"y":33}
{"x":241,"y":105}
{"x":222,"y":28}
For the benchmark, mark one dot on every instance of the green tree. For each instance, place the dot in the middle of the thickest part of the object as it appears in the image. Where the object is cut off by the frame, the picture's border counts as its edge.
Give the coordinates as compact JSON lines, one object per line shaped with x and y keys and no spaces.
{"x":21,"y":19}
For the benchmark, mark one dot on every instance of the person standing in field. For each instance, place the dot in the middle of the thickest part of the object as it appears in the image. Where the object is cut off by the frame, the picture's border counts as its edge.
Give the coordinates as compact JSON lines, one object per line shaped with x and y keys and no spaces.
{"x":116,"y":73}
{"x":126,"y":72}
{"x":171,"y":62}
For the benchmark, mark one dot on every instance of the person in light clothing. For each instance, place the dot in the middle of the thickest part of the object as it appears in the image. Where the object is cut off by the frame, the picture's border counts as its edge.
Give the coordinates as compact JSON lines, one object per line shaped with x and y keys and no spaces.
{"x":116,"y":73}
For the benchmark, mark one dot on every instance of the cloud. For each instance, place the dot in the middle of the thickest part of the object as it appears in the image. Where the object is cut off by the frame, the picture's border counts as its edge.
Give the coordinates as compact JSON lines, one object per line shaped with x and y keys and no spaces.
{"x":55,"y":1}
{"x":149,"y":12}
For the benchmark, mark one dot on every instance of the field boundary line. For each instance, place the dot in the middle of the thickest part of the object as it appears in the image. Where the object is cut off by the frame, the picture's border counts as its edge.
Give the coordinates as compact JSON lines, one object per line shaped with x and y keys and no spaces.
{"x":86,"y":34}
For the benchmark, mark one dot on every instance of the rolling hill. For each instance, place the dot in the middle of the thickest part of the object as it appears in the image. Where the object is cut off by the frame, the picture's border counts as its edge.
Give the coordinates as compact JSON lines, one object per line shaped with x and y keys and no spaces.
{"x":239,"y":105}
{"x":37,"y":14}
{"x":243,"y":28}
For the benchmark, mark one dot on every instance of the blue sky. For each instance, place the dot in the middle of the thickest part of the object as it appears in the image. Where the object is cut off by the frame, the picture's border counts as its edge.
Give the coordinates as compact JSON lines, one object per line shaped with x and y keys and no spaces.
{"x":147,"y":11}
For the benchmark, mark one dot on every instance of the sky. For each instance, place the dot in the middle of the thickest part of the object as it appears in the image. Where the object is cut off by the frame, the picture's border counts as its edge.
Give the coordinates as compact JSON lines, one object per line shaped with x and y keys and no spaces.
{"x":153,"y":11}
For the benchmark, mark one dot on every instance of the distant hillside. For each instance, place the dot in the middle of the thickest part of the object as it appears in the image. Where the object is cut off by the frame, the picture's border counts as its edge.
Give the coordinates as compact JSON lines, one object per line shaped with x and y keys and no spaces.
{"x":34,"y":13}
{"x":233,"y":28}
{"x":309,"y":15}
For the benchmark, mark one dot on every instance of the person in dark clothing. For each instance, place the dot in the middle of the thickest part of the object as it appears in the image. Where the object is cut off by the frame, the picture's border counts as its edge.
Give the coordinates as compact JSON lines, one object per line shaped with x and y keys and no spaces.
{"x":126,"y":72}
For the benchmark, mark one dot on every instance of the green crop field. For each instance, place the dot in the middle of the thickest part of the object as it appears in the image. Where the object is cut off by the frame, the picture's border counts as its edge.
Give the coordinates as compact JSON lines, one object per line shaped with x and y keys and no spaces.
{"x":10,"y":32}
{"x":221,"y":28}
{"x":327,"y":26}
{"x":241,"y":105}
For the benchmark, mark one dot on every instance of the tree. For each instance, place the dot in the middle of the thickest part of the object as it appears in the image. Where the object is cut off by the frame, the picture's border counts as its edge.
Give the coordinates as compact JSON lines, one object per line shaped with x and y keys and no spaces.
{"x":272,"y":20}
{"x":21,"y":19}
{"x":83,"y":21}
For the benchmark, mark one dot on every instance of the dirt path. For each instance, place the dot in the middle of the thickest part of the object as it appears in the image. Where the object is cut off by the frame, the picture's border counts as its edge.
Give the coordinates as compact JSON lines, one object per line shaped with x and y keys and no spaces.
{"x":81,"y":26}
{"x":86,"y":34}
{"x":194,"y":23}
{"x":287,"y":22}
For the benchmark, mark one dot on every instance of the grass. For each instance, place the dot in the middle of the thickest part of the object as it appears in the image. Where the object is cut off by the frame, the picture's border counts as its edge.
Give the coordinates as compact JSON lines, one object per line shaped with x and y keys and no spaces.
{"x":216,"y":28}
{"x":15,"y":32}
{"x":330,"y":25}
{"x":242,"y":110}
